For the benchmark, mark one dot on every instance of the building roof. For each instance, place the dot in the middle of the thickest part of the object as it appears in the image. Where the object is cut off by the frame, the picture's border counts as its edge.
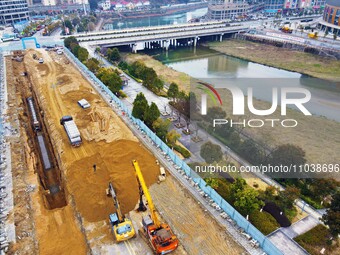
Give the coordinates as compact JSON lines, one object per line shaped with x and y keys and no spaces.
{"x":333,"y":2}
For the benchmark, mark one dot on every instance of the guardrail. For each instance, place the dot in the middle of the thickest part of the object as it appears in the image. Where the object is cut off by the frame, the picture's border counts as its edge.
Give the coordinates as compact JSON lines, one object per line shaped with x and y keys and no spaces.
{"x":264,"y":242}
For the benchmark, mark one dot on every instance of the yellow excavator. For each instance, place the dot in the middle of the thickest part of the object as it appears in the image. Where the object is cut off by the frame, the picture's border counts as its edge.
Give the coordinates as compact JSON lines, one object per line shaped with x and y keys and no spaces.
{"x":159,"y":236}
{"x":122,"y":227}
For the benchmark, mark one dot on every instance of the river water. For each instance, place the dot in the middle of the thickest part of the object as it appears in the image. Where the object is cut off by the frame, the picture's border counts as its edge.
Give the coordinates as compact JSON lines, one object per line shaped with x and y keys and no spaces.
{"x":219,"y":69}
{"x":157,"y":21}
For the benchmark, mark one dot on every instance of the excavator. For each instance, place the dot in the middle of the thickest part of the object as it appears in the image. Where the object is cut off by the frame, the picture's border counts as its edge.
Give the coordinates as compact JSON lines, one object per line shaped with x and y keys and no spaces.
{"x":158,"y":235}
{"x":122,"y":227}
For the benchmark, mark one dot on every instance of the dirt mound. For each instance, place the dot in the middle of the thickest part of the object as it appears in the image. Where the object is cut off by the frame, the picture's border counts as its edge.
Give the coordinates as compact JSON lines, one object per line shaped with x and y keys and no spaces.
{"x":113,"y":164}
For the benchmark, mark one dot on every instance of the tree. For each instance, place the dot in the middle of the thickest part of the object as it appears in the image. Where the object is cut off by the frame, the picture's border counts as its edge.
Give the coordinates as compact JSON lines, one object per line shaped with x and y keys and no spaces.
{"x":68,"y":24}
{"x":161,"y":127}
{"x":246,"y":201}
{"x":152,"y":113}
{"x":69,"y":40}
{"x":234,"y":140}
{"x":332,"y":216}
{"x":172,"y":137}
{"x":83,"y":54}
{"x":173,"y":91}
{"x":113,"y":54}
{"x":215,"y":113}
{"x":91,"y":26}
{"x":251,"y":152}
{"x":139,"y":106}
{"x":110,"y":78}
{"x":286,"y":155}
{"x":288,"y":196}
{"x":211,"y":152}
{"x":76,"y":21}
{"x":212,"y":182}
{"x":93,"y":65}
{"x":74,"y":47}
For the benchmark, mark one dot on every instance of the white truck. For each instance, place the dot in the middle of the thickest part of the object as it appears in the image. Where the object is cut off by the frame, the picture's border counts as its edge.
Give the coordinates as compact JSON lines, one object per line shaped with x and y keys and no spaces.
{"x":71,"y":130}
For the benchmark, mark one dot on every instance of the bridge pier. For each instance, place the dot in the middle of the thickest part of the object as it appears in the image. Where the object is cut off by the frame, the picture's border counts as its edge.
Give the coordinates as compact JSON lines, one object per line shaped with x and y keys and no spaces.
{"x":221,"y":37}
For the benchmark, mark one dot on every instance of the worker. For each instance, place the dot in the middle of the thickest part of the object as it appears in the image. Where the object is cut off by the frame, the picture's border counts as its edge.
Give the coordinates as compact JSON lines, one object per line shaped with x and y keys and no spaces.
{"x":94,"y":168}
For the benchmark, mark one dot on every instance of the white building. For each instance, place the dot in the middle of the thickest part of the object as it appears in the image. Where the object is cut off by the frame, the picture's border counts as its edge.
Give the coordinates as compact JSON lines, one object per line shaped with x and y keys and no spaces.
{"x":105,"y":5}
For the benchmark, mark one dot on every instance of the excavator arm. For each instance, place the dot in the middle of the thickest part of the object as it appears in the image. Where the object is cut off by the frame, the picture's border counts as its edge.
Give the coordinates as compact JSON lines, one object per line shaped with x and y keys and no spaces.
{"x":116,"y":203}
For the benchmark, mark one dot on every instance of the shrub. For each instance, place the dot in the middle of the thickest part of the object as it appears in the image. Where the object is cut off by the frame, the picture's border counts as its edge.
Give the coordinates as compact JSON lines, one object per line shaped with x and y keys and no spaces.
{"x":264,"y":222}
{"x":185,"y":153}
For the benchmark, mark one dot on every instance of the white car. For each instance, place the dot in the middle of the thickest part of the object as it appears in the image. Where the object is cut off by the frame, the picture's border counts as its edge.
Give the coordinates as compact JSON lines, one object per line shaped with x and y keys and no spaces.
{"x":41,"y":60}
{"x":60,"y":52}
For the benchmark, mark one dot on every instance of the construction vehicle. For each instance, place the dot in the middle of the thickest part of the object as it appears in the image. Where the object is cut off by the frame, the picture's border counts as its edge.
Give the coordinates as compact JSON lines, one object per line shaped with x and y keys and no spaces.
{"x":313,"y":35}
{"x":285,"y":29}
{"x":72,"y":130}
{"x":122,"y":227}
{"x":158,"y":235}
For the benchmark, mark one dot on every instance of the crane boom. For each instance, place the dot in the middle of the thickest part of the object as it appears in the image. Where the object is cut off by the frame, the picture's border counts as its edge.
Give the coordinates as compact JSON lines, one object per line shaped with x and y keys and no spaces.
{"x":147,"y":195}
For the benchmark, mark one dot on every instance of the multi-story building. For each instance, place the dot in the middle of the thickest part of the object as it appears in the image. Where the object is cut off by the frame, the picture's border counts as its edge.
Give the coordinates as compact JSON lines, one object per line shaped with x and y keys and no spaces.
{"x":12,"y":11}
{"x":227,"y":9}
{"x":273,"y":6}
{"x":331,"y":17}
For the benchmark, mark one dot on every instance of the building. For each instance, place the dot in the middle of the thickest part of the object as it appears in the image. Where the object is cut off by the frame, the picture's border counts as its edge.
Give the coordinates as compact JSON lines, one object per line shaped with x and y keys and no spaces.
{"x":13,"y":11}
{"x":331,"y":17}
{"x":274,"y":6}
{"x":105,"y":5}
{"x":227,"y":9}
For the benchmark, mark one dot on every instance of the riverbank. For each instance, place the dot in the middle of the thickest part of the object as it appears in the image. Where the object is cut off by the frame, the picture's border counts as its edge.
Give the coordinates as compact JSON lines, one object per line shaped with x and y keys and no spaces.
{"x":290,"y":60}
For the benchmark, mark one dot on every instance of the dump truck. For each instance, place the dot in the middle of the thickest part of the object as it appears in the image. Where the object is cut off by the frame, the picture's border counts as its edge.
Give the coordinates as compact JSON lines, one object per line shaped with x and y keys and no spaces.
{"x":122,"y":227}
{"x":71,"y":129}
{"x":157,"y":235}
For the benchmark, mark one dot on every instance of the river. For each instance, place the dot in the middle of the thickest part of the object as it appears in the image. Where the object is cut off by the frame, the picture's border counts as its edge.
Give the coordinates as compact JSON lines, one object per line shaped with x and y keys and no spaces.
{"x":178,"y":18}
{"x":217,"y":69}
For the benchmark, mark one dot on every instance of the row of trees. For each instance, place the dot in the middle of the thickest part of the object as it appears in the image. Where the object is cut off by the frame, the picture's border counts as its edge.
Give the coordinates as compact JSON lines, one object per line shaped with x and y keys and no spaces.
{"x":83,"y":24}
{"x":147,"y":74}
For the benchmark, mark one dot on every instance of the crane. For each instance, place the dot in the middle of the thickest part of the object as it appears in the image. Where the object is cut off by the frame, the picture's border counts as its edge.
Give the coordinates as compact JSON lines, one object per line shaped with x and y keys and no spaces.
{"x":158,"y":235}
{"x":122,"y":227}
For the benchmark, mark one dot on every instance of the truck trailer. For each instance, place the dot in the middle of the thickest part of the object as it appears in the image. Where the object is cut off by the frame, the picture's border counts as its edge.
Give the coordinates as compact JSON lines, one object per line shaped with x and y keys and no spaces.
{"x":72,"y":131}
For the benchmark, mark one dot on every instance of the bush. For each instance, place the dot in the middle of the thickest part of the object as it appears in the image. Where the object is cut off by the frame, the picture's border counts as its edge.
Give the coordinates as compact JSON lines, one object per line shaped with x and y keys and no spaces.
{"x":185,"y":153}
{"x":264,"y":222}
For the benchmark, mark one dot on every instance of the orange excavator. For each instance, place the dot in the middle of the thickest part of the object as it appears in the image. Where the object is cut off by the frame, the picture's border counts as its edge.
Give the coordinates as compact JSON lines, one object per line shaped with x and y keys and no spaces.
{"x":158,"y":235}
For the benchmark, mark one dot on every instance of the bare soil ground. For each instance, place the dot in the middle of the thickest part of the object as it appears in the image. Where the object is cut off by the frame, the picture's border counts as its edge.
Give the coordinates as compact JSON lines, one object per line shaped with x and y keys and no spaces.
{"x":82,"y":225}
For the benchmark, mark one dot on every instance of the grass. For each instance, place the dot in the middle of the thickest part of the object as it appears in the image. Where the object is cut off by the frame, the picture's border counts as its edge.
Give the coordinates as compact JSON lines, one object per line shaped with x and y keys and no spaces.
{"x":316,"y":239}
{"x":287,"y":59}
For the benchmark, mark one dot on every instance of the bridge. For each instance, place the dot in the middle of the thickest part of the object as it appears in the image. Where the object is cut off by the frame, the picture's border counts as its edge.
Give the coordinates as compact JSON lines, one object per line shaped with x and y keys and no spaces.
{"x":160,"y":36}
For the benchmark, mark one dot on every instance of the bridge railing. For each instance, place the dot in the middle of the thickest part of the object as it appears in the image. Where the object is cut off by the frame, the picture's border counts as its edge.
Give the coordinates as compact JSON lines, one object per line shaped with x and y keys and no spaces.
{"x":263,"y":241}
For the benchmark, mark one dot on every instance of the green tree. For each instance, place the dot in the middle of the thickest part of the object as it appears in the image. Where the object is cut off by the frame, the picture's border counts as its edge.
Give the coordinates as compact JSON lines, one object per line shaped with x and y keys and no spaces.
{"x":212,"y":182}
{"x":152,"y":113}
{"x":287,"y":154}
{"x":215,"y":113}
{"x":74,"y":49}
{"x":332,"y":216}
{"x":140,"y":104}
{"x":251,"y":151}
{"x":83,"y":54}
{"x":161,"y":127}
{"x":93,"y":65}
{"x":69,"y":25}
{"x":69,"y":40}
{"x":234,"y":140}
{"x":288,"y":196}
{"x":76,"y":21}
{"x":172,"y":137}
{"x":246,"y":201}
{"x":173,"y":91}
{"x":110,"y":78}
{"x":113,"y":54}
{"x":211,"y":152}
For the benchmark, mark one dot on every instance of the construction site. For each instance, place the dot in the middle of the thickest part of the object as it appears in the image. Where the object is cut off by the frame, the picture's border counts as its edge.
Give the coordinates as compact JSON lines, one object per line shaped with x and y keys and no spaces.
{"x":70,"y":208}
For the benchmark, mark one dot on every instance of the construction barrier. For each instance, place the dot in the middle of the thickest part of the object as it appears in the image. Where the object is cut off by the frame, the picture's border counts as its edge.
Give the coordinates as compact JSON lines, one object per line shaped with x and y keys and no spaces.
{"x":242,"y":222}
